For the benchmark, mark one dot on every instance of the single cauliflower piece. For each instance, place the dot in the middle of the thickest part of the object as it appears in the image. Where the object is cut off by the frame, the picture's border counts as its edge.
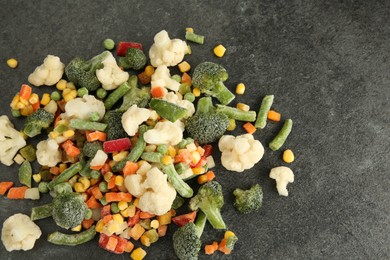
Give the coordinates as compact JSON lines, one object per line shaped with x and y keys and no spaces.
{"x":162,"y":78}
{"x":48,"y":153}
{"x":111,"y":76}
{"x":133,"y":117}
{"x":240,"y":153}
{"x":49,"y":73}
{"x":11,"y":141}
{"x":165,"y":51}
{"x":165,"y":133}
{"x":283,"y":176}
{"x":19,"y":232}
{"x":83,"y":107}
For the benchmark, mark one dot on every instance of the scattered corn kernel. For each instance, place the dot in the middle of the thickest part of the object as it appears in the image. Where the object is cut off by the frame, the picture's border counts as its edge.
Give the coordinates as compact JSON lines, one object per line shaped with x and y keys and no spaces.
{"x":138,"y":254}
{"x":37,"y":178}
{"x":77,"y":228}
{"x":198,"y":170}
{"x":70,"y":85}
{"x":189,"y":29}
{"x":135,"y":202}
{"x":14,"y":101}
{"x":119,"y":180}
{"x":171,"y":151}
{"x":108,"y":176}
{"x":149,"y":70}
{"x":99,"y":226}
{"x":53,"y":134}
{"x":85,"y":181}
{"x":63,"y":167}
{"x":33,"y":98}
{"x":118,"y":218}
{"x":120,"y":156}
{"x":166,"y":160}
{"x":243,"y":107}
{"x":122,"y":205}
{"x":184,"y":66}
{"x":232,"y":124}
{"x":165,"y":219}
{"x":23,"y":101}
{"x":240,"y":88}
{"x":12,"y":63}
{"x":150,"y":148}
{"x":154,"y":223}
{"x":113,"y":227}
{"x":70,"y":96}
{"x":288,"y":156}
{"x":195,"y":157}
{"x":145,"y":240}
{"x":202,"y":179}
{"x":61,"y":85}
{"x":131,"y":210}
{"x":228,"y":234}
{"x":79,"y":187}
{"x":196,"y":92}
{"x":219,"y":50}
{"x":68,"y":133}
{"x":20,"y":105}
{"x":27,"y":110}
{"x":18,"y":159}
{"x":45,"y":99}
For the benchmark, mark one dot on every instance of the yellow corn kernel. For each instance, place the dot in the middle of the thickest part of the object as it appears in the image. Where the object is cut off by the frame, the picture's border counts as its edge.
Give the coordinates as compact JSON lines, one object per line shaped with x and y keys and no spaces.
{"x":108,"y":176}
{"x":113,"y":227}
{"x":189,"y":29}
{"x":232,"y":124}
{"x":219,"y":50}
{"x":73,"y":180}
{"x":112,"y":163}
{"x":198,"y":170}
{"x":165,"y":219}
{"x":70,"y":85}
{"x":68,"y":133}
{"x":77,"y":228}
{"x":184,"y":66}
{"x":12,"y":63}
{"x":85,"y":181}
{"x":130,"y":211}
{"x":53,"y":134}
{"x":99,"y":226}
{"x":14,"y":101}
{"x":122,"y":205}
{"x":288,"y":156}
{"x":118,"y":218}
{"x":228,"y":234}
{"x":70,"y":96}
{"x":20,"y":105}
{"x":124,"y":213}
{"x":120,"y":156}
{"x":37,"y":178}
{"x":202,"y":179}
{"x":119,"y":180}
{"x":66,"y":91}
{"x":243,"y":107}
{"x":94,"y":181}
{"x":145,"y":240}
{"x":79,"y":187}
{"x":135,"y":202}
{"x":166,"y":160}
{"x":45,"y":99}
{"x":138,"y":254}
{"x":171,"y":151}
{"x":154,"y":223}
{"x":150,"y":148}
{"x":240,"y":88}
{"x":195,"y":156}
{"x":27,"y":110}
{"x":149,"y":70}
{"x":196,"y":92}
{"x":23,"y":101}
{"x":63,"y":167}
{"x":61,"y":85}
{"x":33,"y":98}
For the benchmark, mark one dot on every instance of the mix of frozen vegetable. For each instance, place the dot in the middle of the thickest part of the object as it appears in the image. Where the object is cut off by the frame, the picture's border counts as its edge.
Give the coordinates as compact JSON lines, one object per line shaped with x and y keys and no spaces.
{"x":120,"y":140}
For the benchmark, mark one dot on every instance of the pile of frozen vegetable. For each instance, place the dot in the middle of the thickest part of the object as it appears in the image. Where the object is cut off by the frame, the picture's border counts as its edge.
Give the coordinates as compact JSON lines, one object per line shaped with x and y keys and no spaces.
{"x":121,"y":137}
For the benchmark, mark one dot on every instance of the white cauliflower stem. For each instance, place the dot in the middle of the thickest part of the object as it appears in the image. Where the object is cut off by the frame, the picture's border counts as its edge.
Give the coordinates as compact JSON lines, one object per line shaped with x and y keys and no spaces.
{"x":162,"y":78}
{"x":165,"y":51}
{"x":111,"y":76}
{"x":133,"y":117}
{"x":19,"y":233}
{"x":48,"y":153}
{"x":11,"y":141}
{"x":82,"y":108}
{"x":240,"y":153}
{"x":165,"y":133}
{"x":282,"y":175}
{"x":49,"y":73}
{"x":155,"y":194}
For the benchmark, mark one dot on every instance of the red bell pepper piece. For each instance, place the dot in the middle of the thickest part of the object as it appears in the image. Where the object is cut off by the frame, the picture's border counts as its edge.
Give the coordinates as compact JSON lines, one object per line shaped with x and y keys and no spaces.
{"x":113,"y":243}
{"x":184,"y":219}
{"x":135,"y":219}
{"x":116,"y":145}
{"x":123,"y":46}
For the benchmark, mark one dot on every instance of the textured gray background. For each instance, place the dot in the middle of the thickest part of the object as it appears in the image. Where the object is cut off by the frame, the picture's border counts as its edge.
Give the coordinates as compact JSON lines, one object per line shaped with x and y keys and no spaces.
{"x":326,"y":62}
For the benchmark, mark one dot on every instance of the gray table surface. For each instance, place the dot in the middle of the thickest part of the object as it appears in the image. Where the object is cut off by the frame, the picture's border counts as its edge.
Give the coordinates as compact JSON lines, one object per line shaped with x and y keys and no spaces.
{"x":326,"y":62}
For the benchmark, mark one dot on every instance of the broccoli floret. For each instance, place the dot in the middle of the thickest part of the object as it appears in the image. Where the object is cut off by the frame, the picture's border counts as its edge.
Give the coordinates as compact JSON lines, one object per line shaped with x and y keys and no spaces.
{"x":210,"y":200}
{"x":209,"y":78}
{"x":206,"y":125}
{"x":36,"y":121}
{"x":69,"y":210}
{"x":186,"y":240}
{"x":248,"y":201}
{"x":137,"y":96}
{"x":114,"y":129}
{"x":135,"y":59}
{"x":91,"y":148}
{"x":83,"y":73}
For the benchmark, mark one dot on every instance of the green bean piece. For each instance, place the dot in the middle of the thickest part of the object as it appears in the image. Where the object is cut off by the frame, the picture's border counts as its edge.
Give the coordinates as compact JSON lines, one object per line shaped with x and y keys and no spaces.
{"x":192,"y":37}
{"x":153,"y":157}
{"x":168,"y":110}
{"x":42,"y":187}
{"x":179,"y":184}
{"x":108,"y":44}
{"x":41,"y":212}
{"x":183,"y":143}
{"x":28,"y":152}
{"x":25,"y":173}
{"x":101,"y":93}
{"x":16,"y":113}
{"x":237,"y":114}
{"x":116,"y":95}
{"x":265,"y":106}
{"x":59,"y":238}
{"x":82,"y":91}
{"x":181,"y":168}
{"x":55,"y":95}
{"x":86,"y":169}
{"x":65,"y":175}
{"x":281,"y":137}
{"x":81,"y":124}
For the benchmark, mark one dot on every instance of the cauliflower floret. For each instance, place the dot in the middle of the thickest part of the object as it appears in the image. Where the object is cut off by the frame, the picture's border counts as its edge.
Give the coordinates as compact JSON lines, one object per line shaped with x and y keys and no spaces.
{"x":133,"y":117}
{"x":282,"y":175}
{"x":155,"y":194}
{"x":162,"y":78}
{"x":48,"y":153}
{"x":11,"y":141}
{"x":49,"y":73}
{"x":165,"y":51}
{"x":178,"y":100}
{"x":240,"y":153}
{"x":82,"y":108}
{"x":111,"y":76}
{"x":19,"y":233}
{"x":165,"y":133}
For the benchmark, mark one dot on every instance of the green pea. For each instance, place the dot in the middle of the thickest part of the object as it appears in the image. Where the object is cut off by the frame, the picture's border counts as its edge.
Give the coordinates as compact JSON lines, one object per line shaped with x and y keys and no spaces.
{"x":108,"y":44}
{"x":101,"y":93}
{"x":55,"y":95}
{"x":82,"y":91}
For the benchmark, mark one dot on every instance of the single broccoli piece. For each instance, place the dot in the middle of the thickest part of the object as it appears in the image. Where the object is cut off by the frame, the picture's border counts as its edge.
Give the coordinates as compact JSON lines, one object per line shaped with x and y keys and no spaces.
{"x":209,"y":78}
{"x":186,"y":240}
{"x":138,"y":96}
{"x":91,"y":148}
{"x":40,"y":119}
{"x":69,"y":210}
{"x":135,"y":59}
{"x":206,"y":125}
{"x":248,"y":201}
{"x":114,"y":129}
{"x":83,"y":73}
{"x":210,"y":200}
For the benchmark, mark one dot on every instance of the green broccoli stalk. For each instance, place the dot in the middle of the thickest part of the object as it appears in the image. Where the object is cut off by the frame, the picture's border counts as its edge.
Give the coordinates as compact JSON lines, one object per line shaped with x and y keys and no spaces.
{"x":237,"y":114}
{"x":248,"y":201}
{"x":135,"y":95}
{"x":210,"y":200}
{"x":176,"y":181}
{"x":186,"y":239}
{"x":69,"y":210}
{"x":135,"y":59}
{"x":40,"y":119}
{"x":206,"y":125}
{"x":83,"y":73}
{"x":114,"y":129}
{"x":209,"y":78}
